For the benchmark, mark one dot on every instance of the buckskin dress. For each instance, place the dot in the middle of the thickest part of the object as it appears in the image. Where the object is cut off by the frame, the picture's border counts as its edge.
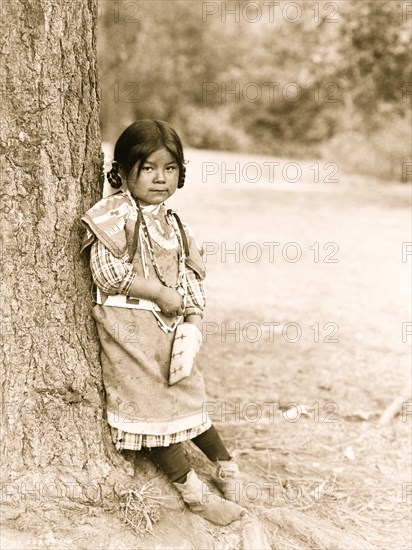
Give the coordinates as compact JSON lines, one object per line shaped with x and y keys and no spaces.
{"x":142,"y":409}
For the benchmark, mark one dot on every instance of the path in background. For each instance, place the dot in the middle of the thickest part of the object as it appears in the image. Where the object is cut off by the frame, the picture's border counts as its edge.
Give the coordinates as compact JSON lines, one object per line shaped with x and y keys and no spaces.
{"x":358,"y":282}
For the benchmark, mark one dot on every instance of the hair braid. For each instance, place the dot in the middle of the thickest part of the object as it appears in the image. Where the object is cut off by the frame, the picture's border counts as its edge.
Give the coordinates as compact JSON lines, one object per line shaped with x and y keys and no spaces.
{"x":182,"y":176}
{"x":113,"y":176}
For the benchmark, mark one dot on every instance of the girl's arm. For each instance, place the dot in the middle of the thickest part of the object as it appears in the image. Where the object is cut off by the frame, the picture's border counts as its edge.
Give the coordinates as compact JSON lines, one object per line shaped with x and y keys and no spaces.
{"x":168,"y":299}
{"x":196,"y":299}
{"x":116,"y":276}
{"x":112,"y":275}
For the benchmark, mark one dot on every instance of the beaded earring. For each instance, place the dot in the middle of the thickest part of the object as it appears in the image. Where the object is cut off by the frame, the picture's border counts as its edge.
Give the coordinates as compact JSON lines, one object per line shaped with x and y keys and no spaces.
{"x":113,"y":176}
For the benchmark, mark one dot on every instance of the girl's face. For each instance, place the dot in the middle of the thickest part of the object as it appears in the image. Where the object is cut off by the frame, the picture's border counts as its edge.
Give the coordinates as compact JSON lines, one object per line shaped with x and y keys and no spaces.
{"x":157,"y":180}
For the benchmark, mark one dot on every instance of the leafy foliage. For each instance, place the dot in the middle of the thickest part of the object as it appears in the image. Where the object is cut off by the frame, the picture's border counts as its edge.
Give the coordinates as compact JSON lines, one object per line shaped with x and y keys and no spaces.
{"x":273,"y":86}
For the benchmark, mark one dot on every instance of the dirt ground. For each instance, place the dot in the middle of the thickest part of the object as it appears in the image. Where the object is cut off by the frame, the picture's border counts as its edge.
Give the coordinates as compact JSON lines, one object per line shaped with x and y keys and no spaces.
{"x":303,"y":351}
{"x":298,"y":403}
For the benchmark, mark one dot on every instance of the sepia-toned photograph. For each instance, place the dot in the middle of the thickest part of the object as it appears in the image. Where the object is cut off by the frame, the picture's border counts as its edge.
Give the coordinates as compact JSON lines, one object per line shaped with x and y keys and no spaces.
{"x":206,"y":285}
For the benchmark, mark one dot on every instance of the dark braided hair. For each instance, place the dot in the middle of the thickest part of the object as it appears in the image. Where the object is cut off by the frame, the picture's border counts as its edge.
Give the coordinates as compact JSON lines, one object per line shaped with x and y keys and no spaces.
{"x":113,"y":176}
{"x":137,"y":142}
{"x":182,"y":176}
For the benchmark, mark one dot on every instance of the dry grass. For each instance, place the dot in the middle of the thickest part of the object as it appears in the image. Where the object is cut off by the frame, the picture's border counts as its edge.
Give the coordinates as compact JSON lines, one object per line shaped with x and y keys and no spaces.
{"x":140,"y":508}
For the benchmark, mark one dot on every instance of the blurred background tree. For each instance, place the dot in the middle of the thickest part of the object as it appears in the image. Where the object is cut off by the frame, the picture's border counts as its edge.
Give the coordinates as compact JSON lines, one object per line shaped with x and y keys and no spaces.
{"x":300,"y":79}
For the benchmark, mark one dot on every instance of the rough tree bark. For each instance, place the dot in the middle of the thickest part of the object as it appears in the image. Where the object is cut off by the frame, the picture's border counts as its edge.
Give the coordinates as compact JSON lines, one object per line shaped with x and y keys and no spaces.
{"x":55,"y":441}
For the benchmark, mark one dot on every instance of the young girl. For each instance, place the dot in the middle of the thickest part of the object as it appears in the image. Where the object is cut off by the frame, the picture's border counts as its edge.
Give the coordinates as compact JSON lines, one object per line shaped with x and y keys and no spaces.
{"x":149,"y":272}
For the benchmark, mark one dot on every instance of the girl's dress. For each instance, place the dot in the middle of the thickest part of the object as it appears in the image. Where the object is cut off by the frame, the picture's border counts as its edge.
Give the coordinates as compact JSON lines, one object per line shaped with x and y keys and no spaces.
{"x":136,"y":338}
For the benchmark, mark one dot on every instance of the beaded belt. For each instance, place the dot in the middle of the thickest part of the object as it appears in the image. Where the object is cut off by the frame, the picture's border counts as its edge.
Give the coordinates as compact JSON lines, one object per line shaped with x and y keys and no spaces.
{"x":121,"y":300}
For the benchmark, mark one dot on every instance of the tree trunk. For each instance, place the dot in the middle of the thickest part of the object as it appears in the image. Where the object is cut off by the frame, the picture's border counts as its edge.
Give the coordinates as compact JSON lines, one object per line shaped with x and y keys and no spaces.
{"x":55,"y":440}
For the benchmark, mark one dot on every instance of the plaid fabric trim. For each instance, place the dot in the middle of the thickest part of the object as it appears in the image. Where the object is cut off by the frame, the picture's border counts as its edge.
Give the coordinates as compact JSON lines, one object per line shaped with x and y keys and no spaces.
{"x":111,"y":275}
{"x":196,"y":295}
{"x":134,"y":442}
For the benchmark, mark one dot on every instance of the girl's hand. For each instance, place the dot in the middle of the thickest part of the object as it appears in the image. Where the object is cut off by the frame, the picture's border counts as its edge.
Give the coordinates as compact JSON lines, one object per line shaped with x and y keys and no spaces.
{"x":170,"y":302}
{"x":195,"y":320}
